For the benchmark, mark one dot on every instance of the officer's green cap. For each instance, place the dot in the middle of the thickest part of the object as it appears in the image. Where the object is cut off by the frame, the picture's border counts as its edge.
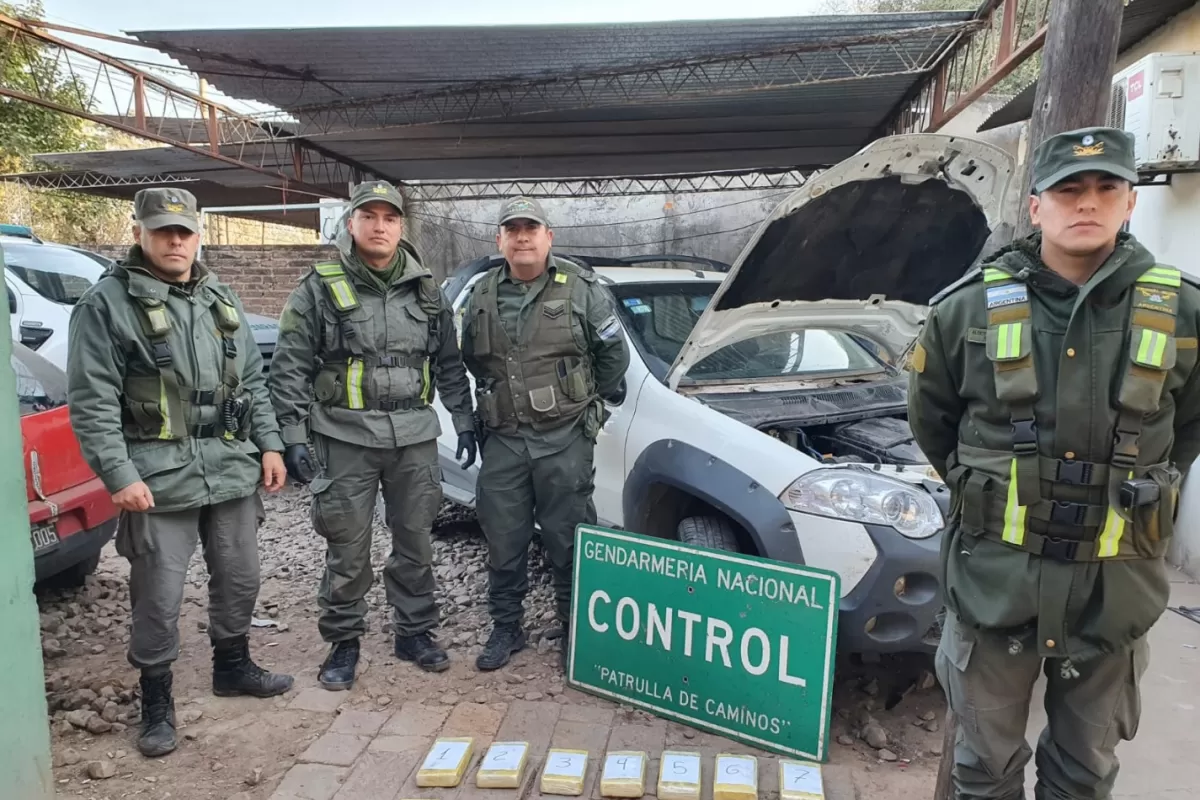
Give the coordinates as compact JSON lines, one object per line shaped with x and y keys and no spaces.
{"x":162,"y":208}
{"x":1108,"y":150}
{"x":523,"y":208}
{"x":375,"y":192}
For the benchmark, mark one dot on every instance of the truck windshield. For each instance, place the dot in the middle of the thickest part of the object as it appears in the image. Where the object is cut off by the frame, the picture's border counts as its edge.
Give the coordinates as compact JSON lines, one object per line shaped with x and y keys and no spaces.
{"x":660,"y":317}
{"x":56,"y":273}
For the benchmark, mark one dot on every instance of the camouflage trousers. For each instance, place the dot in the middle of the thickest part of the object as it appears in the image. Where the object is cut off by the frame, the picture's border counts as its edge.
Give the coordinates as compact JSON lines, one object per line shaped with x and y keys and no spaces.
{"x":515,"y":490}
{"x":1091,"y":707}
{"x":159,"y":547}
{"x":343,"y":511}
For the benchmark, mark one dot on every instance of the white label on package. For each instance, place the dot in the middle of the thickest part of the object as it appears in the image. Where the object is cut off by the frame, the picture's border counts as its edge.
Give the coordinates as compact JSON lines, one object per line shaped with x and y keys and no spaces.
{"x":503,"y":756}
{"x":622,"y":766}
{"x":566,"y":765}
{"x":445,"y":755}
{"x":737,"y":770}
{"x":802,"y":778}
{"x":680,"y":768}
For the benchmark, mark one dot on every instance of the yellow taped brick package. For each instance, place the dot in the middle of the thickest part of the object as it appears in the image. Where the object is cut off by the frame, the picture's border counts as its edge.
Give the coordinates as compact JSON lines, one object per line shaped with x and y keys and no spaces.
{"x":800,"y":780}
{"x":624,"y":774}
{"x":503,"y":765}
{"x":679,"y":776}
{"x":735,"y":777}
{"x":564,"y":772}
{"x":446,"y":763}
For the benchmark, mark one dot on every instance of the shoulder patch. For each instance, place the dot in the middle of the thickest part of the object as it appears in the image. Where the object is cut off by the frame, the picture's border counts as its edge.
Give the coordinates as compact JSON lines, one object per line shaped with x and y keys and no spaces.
{"x":917,"y":361}
{"x":1009,"y":294}
{"x":971,"y":277}
{"x":609,"y":328}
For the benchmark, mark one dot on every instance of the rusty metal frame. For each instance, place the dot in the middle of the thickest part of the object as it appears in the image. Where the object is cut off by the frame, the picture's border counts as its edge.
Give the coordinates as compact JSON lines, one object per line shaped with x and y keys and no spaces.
{"x":1008,"y":33}
{"x":80,"y":79}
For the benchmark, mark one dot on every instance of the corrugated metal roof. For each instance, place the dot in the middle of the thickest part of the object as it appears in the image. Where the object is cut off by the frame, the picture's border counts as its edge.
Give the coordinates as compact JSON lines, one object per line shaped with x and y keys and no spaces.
{"x":1139,"y":20}
{"x":487,"y":108}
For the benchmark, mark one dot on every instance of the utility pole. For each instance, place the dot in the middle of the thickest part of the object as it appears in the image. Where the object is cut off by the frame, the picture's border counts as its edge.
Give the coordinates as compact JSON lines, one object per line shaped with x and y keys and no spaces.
{"x":1075,"y":87}
{"x":1074,"y":91}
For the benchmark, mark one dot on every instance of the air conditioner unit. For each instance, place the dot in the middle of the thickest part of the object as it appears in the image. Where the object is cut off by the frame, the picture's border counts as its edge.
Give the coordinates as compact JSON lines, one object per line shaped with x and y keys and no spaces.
{"x":1157,"y":99}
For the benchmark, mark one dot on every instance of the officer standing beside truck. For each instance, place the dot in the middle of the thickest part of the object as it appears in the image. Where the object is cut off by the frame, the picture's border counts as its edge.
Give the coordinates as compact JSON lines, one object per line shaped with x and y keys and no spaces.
{"x":169,"y":404}
{"x":364,"y":342}
{"x":1056,"y":391}
{"x":542,"y":339}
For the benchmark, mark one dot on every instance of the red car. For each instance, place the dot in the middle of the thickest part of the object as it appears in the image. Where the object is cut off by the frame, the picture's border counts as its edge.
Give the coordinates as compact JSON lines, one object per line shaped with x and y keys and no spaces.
{"x":71,"y":514}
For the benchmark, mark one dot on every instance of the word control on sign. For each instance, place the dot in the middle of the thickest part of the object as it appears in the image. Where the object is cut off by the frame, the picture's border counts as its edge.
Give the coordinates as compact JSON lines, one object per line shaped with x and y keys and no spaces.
{"x":564,"y":772}
{"x":679,"y":776}
{"x":503,"y":766}
{"x":624,"y":774}
{"x":446,"y":763}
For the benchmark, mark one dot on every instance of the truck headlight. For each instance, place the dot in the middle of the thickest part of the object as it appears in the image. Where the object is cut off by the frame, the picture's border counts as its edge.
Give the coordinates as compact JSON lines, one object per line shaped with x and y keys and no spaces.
{"x":860,"y":496}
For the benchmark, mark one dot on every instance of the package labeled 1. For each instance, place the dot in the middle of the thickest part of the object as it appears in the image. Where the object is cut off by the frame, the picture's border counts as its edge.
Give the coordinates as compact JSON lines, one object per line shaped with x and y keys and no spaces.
{"x":446,"y":762}
{"x":735,"y":778}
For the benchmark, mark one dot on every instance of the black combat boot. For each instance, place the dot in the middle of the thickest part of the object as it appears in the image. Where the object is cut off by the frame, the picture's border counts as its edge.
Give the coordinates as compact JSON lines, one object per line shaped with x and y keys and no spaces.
{"x":337,"y":672}
{"x":504,"y":641}
{"x":235,"y":674}
{"x":157,"y":737}
{"x":422,"y":650}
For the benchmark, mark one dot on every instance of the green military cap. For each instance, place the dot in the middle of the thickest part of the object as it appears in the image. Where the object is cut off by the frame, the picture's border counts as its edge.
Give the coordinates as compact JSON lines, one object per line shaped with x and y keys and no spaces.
{"x":376,"y":191}
{"x":1107,"y":150}
{"x":162,"y":208}
{"x":523,"y":208}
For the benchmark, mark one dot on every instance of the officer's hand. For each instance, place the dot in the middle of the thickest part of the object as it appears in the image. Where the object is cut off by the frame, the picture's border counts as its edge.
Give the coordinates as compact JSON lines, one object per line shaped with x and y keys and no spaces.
{"x":274,"y":473}
{"x":466,"y":442}
{"x":134,"y":497}
{"x":299,"y":463}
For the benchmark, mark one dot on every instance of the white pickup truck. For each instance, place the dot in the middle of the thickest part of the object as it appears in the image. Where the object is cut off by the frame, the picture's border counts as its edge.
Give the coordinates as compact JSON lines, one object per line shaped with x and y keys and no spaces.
{"x":766,"y":407}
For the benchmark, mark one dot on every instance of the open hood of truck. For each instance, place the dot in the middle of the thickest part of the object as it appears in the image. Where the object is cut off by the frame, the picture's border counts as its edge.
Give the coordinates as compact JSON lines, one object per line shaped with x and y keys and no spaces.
{"x":863,"y":246}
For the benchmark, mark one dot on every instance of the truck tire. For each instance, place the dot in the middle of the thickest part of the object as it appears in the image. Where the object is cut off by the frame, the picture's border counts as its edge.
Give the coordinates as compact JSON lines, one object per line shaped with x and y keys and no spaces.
{"x":712,"y":532}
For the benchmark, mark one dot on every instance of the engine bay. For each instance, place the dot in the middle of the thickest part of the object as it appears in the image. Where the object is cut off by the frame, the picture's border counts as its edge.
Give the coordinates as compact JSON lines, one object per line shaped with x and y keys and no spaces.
{"x":875,"y":440}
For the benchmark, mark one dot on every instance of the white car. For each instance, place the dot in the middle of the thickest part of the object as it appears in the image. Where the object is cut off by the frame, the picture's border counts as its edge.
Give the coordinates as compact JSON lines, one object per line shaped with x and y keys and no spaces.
{"x":44,"y":281}
{"x":766,"y":409}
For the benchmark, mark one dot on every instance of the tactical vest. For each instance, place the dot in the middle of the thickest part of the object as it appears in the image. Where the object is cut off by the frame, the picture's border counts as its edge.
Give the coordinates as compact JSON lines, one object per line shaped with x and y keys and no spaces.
{"x":545,"y":380}
{"x":346,"y":371}
{"x":1150,"y":357}
{"x":158,"y":407}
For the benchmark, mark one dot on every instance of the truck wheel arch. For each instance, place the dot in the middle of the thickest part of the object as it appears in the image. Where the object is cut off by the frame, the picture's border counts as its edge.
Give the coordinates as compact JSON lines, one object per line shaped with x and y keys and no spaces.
{"x":673,"y":469}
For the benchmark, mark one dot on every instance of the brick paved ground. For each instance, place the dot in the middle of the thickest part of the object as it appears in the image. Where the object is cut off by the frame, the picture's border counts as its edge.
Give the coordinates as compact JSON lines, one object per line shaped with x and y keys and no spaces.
{"x":374,"y":755}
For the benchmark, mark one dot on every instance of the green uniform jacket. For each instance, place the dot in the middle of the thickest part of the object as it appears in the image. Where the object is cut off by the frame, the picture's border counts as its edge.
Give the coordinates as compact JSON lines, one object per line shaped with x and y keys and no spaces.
{"x":308,"y":331}
{"x":594,"y":323}
{"x":1080,"y":347}
{"x":107,"y":344}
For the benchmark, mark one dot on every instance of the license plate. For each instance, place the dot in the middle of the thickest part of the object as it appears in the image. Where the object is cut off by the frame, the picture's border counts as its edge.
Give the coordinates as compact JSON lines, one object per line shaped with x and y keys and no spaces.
{"x":44,"y":537}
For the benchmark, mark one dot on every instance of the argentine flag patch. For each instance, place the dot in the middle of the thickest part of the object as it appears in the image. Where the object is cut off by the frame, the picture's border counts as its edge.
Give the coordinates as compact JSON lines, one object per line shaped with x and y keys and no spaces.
{"x":1009,"y":295}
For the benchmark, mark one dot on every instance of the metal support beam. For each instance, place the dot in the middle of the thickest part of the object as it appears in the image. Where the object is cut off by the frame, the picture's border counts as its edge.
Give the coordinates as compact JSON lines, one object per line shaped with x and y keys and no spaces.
{"x":79,"y":81}
{"x":609,"y":187}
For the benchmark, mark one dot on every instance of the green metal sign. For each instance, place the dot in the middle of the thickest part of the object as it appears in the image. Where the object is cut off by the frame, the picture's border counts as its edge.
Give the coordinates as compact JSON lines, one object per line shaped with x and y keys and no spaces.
{"x":737,"y":645}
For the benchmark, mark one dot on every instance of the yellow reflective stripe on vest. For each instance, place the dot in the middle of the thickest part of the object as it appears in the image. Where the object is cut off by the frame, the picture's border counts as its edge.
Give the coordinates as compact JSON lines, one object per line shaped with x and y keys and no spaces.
{"x":426,"y":385}
{"x":1163,"y":276}
{"x":343,"y":295}
{"x":560,"y":277}
{"x":1014,"y":513}
{"x":1109,"y":543}
{"x":1152,"y":349}
{"x":1009,"y":345}
{"x":165,"y":431}
{"x":991,"y":275}
{"x":329,"y":270}
{"x":354,"y":376}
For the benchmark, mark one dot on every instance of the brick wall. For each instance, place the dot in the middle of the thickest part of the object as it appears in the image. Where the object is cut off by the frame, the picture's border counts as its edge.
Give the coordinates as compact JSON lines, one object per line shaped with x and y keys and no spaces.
{"x":262,"y":275}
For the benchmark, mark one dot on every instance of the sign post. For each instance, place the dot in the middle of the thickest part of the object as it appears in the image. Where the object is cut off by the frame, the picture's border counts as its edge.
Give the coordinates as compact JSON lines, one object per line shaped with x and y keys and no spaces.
{"x":736,"y":645}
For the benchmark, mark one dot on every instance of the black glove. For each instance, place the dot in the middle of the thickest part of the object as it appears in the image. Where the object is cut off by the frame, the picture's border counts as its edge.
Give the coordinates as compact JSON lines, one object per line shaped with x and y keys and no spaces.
{"x":617,"y":396}
{"x":299,"y":463}
{"x":466,"y":441}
